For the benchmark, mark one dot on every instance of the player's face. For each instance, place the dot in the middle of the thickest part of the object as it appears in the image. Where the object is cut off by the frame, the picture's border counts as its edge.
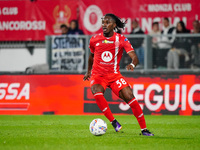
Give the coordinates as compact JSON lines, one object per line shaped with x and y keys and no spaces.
{"x":108,"y":25}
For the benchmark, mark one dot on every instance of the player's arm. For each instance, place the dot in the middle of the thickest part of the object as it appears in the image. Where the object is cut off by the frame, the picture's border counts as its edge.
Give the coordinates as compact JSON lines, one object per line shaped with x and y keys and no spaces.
{"x":90,"y":63}
{"x":130,"y":51}
{"x":134,"y":62}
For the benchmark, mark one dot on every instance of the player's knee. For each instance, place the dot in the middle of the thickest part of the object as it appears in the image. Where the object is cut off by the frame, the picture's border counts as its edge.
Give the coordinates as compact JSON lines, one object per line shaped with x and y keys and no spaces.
{"x":96,"y":89}
{"x":129,"y":97}
{"x":126,"y":94}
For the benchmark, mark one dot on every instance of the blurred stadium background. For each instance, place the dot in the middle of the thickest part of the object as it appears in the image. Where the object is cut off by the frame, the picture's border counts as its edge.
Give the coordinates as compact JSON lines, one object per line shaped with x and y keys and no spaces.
{"x":42,"y":93}
{"x":41,"y":70}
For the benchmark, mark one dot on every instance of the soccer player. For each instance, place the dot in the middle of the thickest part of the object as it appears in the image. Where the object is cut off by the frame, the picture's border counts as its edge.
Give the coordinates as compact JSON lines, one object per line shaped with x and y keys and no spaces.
{"x":103,"y":70}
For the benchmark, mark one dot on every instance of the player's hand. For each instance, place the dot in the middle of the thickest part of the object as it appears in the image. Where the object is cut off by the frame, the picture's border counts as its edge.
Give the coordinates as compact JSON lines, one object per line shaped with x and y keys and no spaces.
{"x":129,"y":67}
{"x":86,"y":76}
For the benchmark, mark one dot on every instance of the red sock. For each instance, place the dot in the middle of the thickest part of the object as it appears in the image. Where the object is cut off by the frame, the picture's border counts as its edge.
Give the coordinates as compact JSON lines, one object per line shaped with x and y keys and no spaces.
{"x":138,"y":113}
{"x":103,"y":105}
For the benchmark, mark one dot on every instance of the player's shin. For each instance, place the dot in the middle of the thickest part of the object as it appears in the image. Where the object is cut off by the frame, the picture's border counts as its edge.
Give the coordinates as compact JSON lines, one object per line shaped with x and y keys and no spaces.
{"x":138,"y":113}
{"x":103,"y":106}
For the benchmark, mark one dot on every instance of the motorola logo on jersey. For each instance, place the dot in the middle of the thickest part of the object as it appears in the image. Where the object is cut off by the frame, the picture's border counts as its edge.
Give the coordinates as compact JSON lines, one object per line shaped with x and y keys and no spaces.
{"x":106,"y":56}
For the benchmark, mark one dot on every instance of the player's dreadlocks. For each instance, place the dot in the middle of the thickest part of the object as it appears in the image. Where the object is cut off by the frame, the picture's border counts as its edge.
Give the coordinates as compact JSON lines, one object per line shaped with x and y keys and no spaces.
{"x":119,"y":23}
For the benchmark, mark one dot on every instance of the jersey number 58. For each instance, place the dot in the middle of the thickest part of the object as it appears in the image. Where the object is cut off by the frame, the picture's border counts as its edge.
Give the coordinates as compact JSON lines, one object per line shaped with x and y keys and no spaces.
{"x":121,"y":82}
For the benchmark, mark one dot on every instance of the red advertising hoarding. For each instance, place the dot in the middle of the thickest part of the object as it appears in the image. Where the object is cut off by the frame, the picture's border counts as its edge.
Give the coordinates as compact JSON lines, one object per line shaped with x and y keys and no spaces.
{"x":25,"y":20}
{"x":70,"y":95}
{"x":32,"y":21}
{"x":146,"y":12}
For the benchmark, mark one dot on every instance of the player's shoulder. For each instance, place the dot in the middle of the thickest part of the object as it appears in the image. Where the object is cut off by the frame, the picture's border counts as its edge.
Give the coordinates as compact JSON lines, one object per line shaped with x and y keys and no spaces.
{"x":97,"y":36}
{"x":122,"y":38}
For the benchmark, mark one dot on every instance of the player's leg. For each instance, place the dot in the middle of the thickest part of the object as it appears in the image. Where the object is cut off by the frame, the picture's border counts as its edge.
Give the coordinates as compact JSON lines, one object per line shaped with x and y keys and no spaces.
{"x":122,"y":89}
{"x":98,"y":92}
{"x":127,"y":95}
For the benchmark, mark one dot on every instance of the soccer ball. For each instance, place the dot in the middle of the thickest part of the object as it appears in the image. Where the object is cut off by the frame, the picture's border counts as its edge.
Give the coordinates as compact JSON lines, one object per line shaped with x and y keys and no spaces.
{"x":98,"y":127}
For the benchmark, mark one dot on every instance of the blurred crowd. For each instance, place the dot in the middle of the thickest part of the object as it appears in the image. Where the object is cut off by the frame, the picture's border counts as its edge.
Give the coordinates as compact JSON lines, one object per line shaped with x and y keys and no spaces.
{"x":169,"y":50}
{"x":72,"y":29}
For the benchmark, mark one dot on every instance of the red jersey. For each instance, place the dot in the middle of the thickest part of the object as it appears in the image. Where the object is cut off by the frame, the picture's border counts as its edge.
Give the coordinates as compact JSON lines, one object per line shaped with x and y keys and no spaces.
{"x":108,"y":52}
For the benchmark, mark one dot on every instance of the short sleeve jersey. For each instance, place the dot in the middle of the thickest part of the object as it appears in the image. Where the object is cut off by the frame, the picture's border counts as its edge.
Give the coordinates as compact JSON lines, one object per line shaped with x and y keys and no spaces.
{"x":108,"y":52}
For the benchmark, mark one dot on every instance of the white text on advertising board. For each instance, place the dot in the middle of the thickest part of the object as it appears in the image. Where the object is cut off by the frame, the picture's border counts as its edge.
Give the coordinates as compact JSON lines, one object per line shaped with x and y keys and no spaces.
{"x":11,"y":91}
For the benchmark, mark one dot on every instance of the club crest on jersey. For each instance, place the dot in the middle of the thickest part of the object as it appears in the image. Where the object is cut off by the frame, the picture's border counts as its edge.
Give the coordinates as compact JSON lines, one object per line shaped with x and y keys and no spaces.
{"x":126,"y":40}
{"x":106,"y":56}
{"x":107,"y":42}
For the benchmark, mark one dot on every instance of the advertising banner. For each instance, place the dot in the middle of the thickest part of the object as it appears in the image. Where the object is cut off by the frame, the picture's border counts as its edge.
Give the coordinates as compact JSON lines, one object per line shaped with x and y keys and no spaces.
{"x":27,"y":20}
{"x":146,"y":12}
{"x":32,"y":21}
{"x":41,"y":94}
{"x":70,"y":95}
{"x":67,"y":53}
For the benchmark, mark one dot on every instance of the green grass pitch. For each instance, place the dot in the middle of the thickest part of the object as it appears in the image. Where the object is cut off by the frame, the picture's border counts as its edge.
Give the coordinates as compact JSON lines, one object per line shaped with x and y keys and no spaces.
{"x":53,"y":132}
